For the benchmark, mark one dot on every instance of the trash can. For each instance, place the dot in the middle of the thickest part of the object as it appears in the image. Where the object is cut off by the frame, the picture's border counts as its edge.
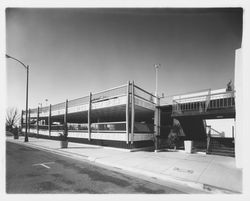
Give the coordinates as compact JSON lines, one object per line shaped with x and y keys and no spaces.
{"x":63,"y":141}
{"x":188,"y":144}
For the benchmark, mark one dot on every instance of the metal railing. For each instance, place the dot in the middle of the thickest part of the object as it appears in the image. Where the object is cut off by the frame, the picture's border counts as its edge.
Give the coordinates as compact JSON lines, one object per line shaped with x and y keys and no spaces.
{"x":58,"y":106}
{"x":141,"y":93}
{"x":44,"y":109}
{"x":211,"y":132}
{"x":204,"y":102}
{"x":78,"y":101}
{"x":110,"y":93}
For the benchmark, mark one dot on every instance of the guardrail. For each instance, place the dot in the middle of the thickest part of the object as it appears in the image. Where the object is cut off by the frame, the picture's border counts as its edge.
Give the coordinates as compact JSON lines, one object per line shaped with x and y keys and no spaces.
{"x":141,"y":93}
{"x":58,"y":106}
{"x":78,"y":101}
{"x":211,"y":132}
{"x":202,"y":103}
{"x":110,"y":93}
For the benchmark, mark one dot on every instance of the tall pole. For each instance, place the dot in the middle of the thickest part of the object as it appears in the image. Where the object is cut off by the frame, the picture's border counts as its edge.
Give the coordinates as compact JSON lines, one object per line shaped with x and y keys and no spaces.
{"x":132,"y":112}
{"x":156,"y":78}
{"x":27,"y":87}
{"x":156,"y":115}
{"x":127,"y":111}
{"x":26,"y":139}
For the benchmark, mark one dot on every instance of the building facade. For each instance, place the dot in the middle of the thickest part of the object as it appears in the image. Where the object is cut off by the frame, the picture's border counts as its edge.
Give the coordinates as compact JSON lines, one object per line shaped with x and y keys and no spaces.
{"x":120,"y":117}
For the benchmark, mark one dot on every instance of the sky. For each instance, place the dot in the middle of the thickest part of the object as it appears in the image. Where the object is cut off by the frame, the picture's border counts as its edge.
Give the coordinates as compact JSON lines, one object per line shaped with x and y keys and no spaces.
{"x":73,"y":51}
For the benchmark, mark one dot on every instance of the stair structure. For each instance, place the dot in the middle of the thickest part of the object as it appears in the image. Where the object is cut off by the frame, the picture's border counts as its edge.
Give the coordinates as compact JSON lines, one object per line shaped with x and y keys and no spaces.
{"x":221,"y":146}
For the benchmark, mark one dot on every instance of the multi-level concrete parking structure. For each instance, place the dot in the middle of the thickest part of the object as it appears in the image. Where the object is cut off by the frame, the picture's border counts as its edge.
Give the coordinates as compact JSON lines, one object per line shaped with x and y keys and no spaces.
{"x":130,"y":117}
{"x":121,"y":117}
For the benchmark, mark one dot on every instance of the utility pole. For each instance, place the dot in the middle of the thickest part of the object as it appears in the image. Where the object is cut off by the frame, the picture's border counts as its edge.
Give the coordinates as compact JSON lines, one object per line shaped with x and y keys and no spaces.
{"x":26,"y":139}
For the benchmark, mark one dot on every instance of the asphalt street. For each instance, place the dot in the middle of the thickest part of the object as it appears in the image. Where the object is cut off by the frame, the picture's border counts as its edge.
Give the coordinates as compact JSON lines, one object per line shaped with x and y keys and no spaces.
{"x":34,"y":171}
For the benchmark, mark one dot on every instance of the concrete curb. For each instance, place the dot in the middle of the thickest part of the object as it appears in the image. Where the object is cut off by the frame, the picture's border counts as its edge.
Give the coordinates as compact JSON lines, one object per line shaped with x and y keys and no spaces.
{"x":203,"y":187}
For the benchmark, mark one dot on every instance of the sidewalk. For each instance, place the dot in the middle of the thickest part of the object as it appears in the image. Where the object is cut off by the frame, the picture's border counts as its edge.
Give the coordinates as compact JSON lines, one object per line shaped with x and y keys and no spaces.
{"x":205,"y":172}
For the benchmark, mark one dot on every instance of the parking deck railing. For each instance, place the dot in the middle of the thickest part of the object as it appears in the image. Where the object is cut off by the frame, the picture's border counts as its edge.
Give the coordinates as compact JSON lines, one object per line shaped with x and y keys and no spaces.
{"x":203,"y":103}
{"x":78,"y":101}
{"x":110,"y":93}
{"x":58,"y":106}
{"x":142,"y":94}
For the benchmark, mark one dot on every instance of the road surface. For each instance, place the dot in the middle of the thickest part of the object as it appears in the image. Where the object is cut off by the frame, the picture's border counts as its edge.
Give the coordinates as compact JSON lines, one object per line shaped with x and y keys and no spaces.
{"x":30,"y":170}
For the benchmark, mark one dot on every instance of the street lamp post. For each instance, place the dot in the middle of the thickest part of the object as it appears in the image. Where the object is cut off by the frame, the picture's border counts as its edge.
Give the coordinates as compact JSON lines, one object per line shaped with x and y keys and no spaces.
{"x":26,"y":139}
{"x":157,"y":66}
{"x":156,"y":115}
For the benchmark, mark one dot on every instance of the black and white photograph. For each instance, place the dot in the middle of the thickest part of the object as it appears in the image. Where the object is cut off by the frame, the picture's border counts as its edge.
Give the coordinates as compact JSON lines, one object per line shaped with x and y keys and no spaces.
{"x":124,"y":100}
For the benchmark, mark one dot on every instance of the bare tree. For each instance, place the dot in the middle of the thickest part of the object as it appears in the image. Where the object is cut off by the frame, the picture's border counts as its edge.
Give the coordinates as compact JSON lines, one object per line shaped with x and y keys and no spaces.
{"x":12,"y":118}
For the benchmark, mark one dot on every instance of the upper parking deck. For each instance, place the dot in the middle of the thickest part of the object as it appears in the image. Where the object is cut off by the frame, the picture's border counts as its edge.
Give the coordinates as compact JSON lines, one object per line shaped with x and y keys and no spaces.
{"x":112,"y":98}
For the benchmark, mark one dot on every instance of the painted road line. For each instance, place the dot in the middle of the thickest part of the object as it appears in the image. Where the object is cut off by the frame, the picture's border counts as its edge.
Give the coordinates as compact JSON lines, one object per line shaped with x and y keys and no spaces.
{"x":43,"y":164}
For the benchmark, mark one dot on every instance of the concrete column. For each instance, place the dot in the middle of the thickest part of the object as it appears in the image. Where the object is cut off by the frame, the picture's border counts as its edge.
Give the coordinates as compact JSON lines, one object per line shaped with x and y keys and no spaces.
{"x":132,"y":112}
{"x":37,"y":121}
{"x":239,"y":124}
{"x":127,"y":112}
{"x":49,"y":121}
{"x":89,"y":115}
{"x":156,"y":122}
{"x":66,"y":119}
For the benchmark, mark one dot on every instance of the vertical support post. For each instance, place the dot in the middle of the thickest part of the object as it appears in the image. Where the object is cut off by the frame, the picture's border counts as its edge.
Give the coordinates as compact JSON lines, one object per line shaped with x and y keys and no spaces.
{"x":28,"y":120}
{"x":89,"y":115}
{"x":66,"y":119}
{"x":49,"y":120}
{"x":37,"y":121}
{"x":26,"y":139}
{"x":156,"y":122}
{"x":132,"y":112}
{"x":127,"y":111}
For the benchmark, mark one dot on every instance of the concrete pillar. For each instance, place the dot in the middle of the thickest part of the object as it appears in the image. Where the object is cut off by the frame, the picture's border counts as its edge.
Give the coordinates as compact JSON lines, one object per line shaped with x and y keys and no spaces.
{"x":89,"y":115}
{"x":49,"y":121}
{"x":66,"y":119}
{"x":156,"y":122}
{"x":37,"y":121}
{"x":132,"y":112}
{"x":239,"y":124}
{"x":127,"y":111}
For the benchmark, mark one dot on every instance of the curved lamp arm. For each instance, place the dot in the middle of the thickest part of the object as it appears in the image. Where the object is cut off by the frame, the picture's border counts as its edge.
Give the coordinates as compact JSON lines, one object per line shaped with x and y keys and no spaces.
{"x":10,"y":57}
